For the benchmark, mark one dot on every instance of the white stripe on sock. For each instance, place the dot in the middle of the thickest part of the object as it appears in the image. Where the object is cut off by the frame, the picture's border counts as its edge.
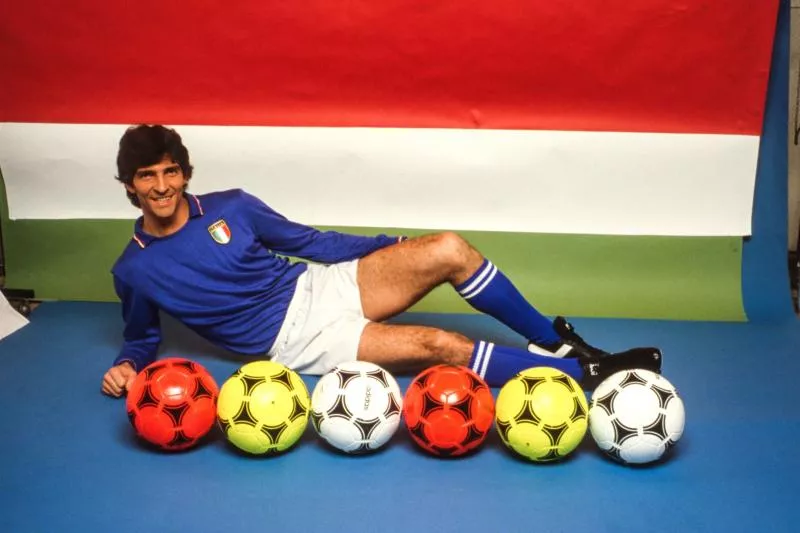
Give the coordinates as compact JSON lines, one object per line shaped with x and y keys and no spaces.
{"x":483,"y":285}
{"x":476,"y":281}
{"x":486,"y":357}
{"x":478,"y":356}
{"x":562,"y":351}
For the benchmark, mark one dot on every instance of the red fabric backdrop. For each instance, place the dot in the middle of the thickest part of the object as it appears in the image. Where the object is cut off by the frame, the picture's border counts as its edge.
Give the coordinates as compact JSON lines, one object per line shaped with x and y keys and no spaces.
{"x":615,"y":65}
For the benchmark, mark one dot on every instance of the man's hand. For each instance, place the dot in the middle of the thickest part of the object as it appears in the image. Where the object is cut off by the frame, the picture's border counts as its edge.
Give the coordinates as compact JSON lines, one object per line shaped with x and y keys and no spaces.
{"x":118,"y":379}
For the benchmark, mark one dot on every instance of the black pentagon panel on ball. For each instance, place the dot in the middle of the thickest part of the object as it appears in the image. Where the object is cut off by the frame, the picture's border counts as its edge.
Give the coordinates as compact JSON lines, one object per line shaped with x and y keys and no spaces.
{"x":473,"y":435}
{"x":392,"y":407}
{"x":147,"y":399}
{"x":201,"y":391}
{"x":419,"y":431}
{"x":658,"y":428}
{"x":578,"y":410}
{"x":176,"y":412}
{"x":367,"y":427}
{"x":631,"y":378}
{"x":554,"y":433}
{"x":250,"y":383}
{"x":531,"y":383}
{"x":424,"y":378}
{"x":151,"y":370}
{"x":180,"y":439}
{"x":502,"y":429}
{"x":132,"y":417}
{"x":474,"y":383}
{"x":224,"y":425}
{"x":613,"y":452}
{"x":463,"y":406}
{"x":606,"y":403}
{"x":429,"y":404}
{"x":564,"y":380}
{"x":285,"y":378}
{"x":551,"y":455}
{"x":316,"y":419}
{"x":445,"y":451}
{"x":379,"y":376}
{"x":362,"y":448}
{"x":272,"y":452}
{"x":188,"y":365}
{"x":273,"y":432}
{"x":297,"y":409}
{"x":243,"y":416}
{"x":339,"y":409}
{"x":664,"y":396}
{"x":622,"y":432}
{"x":345,"y":376}
{"x":526,"y":414}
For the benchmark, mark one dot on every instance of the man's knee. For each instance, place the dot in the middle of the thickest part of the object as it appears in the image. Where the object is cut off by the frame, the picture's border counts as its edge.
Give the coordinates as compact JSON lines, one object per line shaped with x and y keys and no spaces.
{"x":450,"y":246}
{"x":455,"y":256}
{"x":450,"y":241}
{"x":448,"y":347}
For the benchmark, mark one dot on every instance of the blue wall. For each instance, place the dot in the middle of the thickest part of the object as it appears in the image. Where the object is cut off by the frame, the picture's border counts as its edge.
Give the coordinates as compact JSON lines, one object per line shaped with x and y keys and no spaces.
{"x":765,"y":276}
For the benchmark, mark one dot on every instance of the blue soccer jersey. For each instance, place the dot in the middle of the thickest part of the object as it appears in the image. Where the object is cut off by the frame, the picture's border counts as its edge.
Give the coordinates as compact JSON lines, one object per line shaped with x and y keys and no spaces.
{"x":220,"y":275}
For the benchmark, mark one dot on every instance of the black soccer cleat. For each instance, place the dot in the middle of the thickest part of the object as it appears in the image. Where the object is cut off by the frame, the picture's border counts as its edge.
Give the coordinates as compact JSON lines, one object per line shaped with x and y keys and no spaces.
{"x":571,"y":344}
{"x":597,"y":369}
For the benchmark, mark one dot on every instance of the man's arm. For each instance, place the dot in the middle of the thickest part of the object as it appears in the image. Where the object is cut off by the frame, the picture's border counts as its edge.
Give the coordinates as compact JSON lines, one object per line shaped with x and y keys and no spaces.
{"x":142,"y":336}
{"x":283,"y":236}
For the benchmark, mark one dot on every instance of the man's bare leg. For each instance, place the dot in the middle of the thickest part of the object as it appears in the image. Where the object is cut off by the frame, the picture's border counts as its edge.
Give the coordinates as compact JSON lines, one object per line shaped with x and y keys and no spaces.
{"x":402,"y":348}
{"x":393,"y":279}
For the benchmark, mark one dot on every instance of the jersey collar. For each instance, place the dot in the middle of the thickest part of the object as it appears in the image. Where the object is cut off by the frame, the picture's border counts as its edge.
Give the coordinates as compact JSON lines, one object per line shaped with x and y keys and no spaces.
{"x":143,"y":239}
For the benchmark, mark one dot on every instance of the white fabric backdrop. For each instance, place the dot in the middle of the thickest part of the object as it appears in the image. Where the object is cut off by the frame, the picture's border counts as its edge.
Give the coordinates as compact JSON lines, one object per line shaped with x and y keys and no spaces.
{"x":491,"y":180}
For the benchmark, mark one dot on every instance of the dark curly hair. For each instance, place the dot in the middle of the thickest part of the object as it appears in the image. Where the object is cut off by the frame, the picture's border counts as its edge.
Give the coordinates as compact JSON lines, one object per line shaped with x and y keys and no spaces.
{"x":143,"y":146}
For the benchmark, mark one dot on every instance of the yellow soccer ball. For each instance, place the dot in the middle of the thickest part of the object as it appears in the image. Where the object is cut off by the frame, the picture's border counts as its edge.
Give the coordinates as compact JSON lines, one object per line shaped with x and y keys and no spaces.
{"x":541,"y":414}
{"x":263,"y":408}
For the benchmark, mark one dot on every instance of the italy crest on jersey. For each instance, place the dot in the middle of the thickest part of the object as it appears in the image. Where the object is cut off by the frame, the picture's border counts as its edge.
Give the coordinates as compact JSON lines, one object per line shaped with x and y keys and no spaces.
{"x":220,"y":232}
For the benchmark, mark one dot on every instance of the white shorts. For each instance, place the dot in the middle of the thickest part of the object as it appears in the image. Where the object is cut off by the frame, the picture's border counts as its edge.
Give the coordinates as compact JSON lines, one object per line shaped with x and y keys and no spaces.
{"x":324,"y":321}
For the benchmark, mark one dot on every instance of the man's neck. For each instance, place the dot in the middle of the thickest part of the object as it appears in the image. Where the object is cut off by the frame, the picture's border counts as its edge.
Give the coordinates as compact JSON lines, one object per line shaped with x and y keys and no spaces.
{"x":161,"y":227}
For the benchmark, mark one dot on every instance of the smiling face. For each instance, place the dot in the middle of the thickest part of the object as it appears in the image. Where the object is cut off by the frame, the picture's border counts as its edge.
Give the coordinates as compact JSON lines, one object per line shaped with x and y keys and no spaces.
{"x":159,"y":189}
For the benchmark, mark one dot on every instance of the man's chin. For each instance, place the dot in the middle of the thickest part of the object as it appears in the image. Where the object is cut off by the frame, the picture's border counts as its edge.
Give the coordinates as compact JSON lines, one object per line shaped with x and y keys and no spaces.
{"x":162,"y":214}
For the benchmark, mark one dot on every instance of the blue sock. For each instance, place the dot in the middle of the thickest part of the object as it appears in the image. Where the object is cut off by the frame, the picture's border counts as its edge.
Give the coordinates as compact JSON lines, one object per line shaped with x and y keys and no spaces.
{"x":498,"y":364}
{"x":489,"y":291}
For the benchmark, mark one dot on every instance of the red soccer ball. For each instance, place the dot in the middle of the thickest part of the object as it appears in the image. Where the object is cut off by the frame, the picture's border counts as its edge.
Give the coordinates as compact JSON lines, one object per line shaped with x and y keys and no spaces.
{"x":448,"y":410}
{"x":173,"y":403}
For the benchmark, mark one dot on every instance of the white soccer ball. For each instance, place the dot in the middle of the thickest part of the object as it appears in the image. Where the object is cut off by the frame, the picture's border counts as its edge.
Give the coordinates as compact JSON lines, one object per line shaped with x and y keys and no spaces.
{"x":356,"y":407}
{"x":636,"y":416}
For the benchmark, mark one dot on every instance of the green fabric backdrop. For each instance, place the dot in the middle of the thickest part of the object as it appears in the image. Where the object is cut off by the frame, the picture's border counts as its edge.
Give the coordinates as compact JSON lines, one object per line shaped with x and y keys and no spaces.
{"x":687,"y":278}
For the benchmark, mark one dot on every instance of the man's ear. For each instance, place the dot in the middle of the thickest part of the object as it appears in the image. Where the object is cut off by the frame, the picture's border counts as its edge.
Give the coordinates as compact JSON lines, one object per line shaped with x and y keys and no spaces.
{"x":130,"y":188}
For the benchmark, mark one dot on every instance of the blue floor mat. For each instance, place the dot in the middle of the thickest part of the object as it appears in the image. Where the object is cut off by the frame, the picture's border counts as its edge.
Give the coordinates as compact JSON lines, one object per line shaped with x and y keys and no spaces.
{"x":69,"y":460}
